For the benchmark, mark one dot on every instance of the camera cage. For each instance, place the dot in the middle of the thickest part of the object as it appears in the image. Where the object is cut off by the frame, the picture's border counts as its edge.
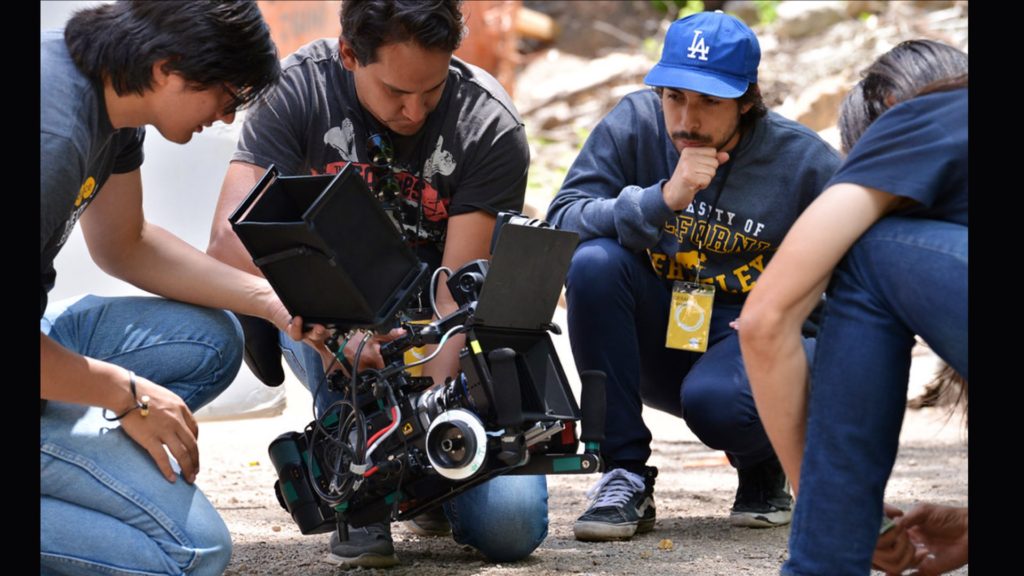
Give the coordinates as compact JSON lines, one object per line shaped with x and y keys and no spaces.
{"x":397,"y":446}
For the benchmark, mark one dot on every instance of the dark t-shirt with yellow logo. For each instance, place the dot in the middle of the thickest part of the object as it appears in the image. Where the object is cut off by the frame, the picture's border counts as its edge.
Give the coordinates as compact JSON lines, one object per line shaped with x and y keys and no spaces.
{"x":78,"y":150}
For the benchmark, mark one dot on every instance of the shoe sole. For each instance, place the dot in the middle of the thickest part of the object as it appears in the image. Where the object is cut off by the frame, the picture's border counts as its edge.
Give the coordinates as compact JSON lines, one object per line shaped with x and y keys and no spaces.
{"x":363,"y":561}
{"x":603,"y":531}
{"x":760,"y":520}
{"x":428,"y":533}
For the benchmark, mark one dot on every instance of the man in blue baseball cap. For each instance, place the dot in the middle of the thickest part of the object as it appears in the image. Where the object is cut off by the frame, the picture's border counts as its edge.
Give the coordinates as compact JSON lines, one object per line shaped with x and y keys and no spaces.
{"x":680,"y":196}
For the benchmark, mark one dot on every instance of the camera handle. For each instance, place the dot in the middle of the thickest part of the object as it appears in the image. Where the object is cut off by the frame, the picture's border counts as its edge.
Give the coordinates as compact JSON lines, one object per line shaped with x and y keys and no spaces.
{"x":508,"y":401}
{"x":592,"y":407}
{"x":342,"y":525}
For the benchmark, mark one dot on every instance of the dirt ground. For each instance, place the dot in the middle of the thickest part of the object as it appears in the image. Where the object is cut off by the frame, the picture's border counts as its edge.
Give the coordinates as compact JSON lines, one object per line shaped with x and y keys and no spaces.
{"x":695,"y":488}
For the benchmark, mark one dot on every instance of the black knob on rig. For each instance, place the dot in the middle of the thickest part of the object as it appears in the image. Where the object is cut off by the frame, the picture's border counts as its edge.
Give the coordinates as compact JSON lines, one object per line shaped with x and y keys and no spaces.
{"x":508,"y":401}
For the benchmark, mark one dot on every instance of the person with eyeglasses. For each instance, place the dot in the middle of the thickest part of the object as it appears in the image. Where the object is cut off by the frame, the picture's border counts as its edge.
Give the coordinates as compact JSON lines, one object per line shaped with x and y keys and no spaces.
{"x":681,"y":195}
{"x":121,"y":377}
{"x":442,"y":145}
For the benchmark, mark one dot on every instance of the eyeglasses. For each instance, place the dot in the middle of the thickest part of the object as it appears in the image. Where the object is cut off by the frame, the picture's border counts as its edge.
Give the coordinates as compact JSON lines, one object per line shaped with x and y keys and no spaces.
{"x":235,"y":99}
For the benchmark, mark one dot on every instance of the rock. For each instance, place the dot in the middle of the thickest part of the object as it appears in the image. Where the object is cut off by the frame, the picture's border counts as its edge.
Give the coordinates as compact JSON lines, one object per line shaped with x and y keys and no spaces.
{"x":590,"y":28}
{"x":854,"y":8}
{"x":745,"y":10}
{"x":817,"y":106}
{"x":553,"y":115}
{"x":572,"y":79}
{"x":800,"y":19}
{"x":933,"y":4}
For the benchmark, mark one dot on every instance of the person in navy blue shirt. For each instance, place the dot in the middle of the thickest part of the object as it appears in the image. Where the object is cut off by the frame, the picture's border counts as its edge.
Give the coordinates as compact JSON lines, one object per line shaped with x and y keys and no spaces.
{"x":694,"y":183}
{"x":888,"y":237}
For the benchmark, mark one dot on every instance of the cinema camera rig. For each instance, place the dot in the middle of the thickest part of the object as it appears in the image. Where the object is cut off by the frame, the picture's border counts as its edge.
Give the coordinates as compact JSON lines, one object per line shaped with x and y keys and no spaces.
{"x":398,"y":445}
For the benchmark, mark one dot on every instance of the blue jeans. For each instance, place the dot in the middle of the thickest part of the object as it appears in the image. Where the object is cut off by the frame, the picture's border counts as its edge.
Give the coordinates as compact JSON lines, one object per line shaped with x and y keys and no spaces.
{"x":618,"y":317}
{"x":505,"y":518}
{"x":904,"y":277}
{"x":104,"y":505}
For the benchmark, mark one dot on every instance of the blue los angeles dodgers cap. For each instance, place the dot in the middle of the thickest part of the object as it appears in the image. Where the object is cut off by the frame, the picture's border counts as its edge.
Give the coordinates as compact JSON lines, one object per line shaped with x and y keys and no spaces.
{"x":709,"y":52}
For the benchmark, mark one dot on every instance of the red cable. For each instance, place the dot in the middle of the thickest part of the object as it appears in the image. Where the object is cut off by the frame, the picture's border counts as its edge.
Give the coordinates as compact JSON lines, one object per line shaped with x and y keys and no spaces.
{"x":382,"y":431}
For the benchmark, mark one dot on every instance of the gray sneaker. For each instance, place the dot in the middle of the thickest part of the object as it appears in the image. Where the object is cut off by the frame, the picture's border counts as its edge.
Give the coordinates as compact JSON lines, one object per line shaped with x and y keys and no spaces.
{"x":366,"y":547}
{"x":762,"y":498}
{"x":622,"y":504}
{"x":430,"y":523}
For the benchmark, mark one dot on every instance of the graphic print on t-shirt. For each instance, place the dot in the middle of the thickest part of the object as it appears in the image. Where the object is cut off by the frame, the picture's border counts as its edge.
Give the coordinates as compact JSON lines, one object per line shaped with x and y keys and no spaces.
{"x":343,"y":140}
{"x":705,"y":234}
{"x":85,"y":195}
{"x":417,"y":192}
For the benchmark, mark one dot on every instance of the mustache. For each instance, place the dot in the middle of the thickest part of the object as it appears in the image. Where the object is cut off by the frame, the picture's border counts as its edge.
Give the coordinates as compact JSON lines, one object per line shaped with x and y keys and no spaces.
{"x":691,"y":136}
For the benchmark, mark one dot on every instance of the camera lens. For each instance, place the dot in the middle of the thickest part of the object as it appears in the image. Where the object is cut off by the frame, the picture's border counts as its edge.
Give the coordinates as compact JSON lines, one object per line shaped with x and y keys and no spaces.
{"x":452,"y":444}
{"x":456,"y":444}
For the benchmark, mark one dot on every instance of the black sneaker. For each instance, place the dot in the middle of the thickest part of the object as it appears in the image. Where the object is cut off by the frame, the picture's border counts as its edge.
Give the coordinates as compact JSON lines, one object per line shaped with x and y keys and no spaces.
{"x":622,"y":504}
{"x":366,"y":547}
{"x":433,"y":522}
{"x":762,"y":499}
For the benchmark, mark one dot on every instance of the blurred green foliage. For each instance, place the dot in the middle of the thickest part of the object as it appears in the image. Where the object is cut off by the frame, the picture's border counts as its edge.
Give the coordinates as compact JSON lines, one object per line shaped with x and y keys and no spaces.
{"x":766,"y":9}
{"x":666,"y":7}
{"x":690,"y":8}
{"x":766,"y":13}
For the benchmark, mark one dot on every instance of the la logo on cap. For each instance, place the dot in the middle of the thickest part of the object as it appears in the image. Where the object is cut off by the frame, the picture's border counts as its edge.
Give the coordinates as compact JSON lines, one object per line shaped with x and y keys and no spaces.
{"x":697,"y":47}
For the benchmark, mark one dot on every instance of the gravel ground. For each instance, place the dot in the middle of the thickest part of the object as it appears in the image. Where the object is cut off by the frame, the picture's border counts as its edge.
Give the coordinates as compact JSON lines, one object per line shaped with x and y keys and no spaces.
{"x":694,"y":491}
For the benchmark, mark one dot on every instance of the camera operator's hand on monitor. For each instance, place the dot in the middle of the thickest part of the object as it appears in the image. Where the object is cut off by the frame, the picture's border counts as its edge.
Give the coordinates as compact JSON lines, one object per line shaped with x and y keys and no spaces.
{"x":167,"y":422}
{"x":293,"y":326}
{"x":315,"y":335}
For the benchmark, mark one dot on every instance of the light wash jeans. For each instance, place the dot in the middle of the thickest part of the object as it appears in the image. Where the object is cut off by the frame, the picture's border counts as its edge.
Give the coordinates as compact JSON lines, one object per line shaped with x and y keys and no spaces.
{"x":105,"y":508}
{"x":905,"y":276}
{"x":505,"y":518}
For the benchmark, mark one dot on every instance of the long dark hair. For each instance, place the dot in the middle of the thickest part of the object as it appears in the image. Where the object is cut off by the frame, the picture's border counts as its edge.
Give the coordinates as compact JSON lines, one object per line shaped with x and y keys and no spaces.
{"x":910,"y":69}
{"x":208,"y":43}
{"x":366,"y":25}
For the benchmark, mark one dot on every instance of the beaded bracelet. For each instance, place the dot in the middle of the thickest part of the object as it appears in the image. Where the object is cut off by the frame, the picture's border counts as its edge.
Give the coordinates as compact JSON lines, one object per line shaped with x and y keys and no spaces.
{"x":141,"y":404}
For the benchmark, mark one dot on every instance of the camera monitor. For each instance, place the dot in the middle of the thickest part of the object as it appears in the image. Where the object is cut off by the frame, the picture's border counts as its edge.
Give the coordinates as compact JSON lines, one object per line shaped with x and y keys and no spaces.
{"x":517,"y":301}
{"x":328,"y":249}
{"x":525,"y":277}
